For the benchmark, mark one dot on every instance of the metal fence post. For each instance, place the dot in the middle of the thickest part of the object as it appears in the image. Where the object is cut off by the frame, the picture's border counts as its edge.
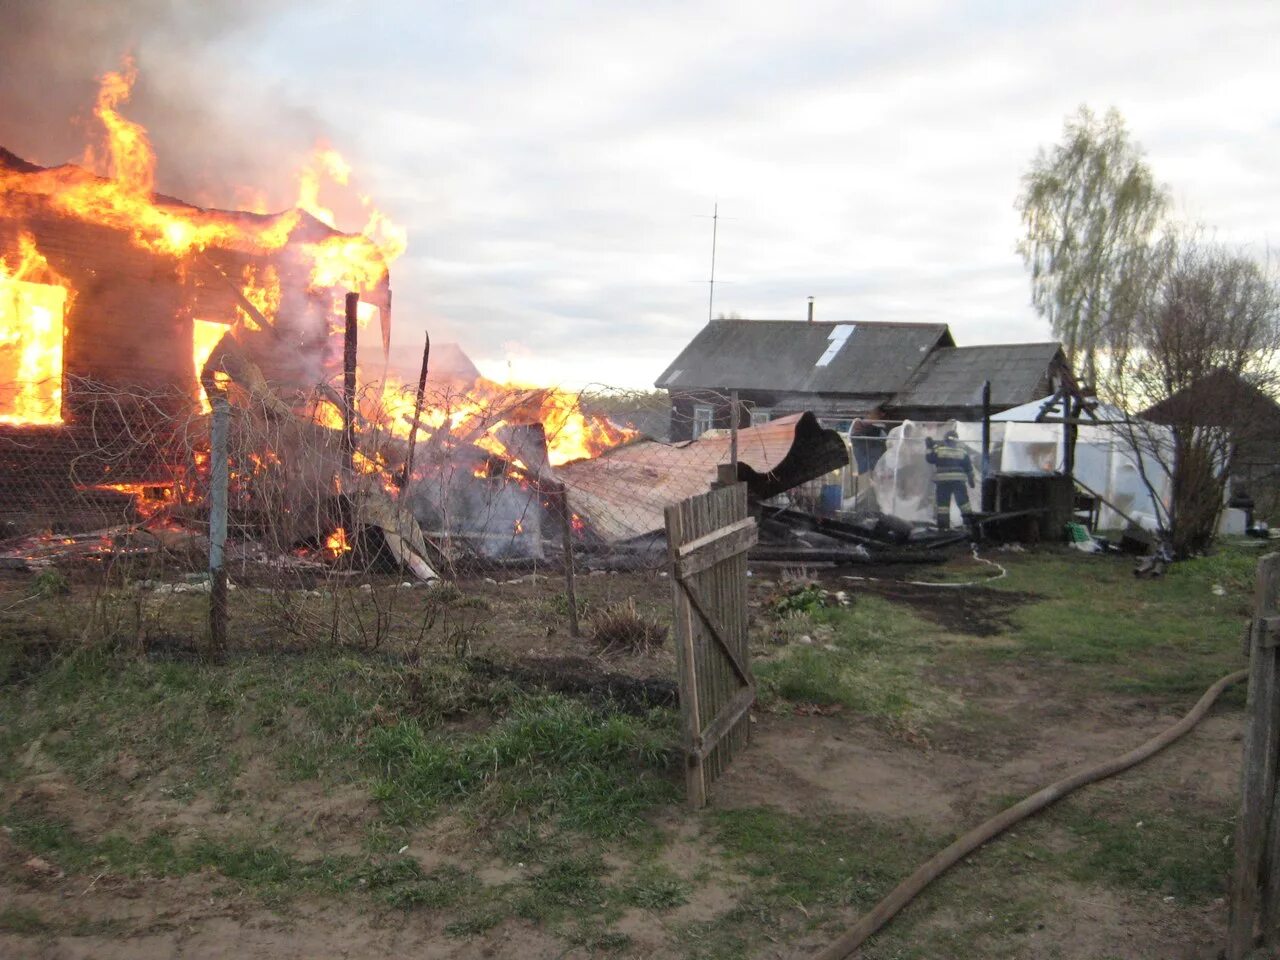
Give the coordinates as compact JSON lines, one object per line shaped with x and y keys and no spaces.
{"x":735,"y":412}
{"x":218,"y":476}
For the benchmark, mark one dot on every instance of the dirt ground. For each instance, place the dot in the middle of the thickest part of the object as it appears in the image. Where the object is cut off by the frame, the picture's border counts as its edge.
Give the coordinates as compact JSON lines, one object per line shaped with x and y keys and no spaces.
{"x":801,"y":762}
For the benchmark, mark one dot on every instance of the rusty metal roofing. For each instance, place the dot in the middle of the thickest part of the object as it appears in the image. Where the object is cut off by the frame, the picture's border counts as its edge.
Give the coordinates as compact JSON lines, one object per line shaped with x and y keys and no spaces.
{"x":852,"y":358}
{"x":622,"y":493}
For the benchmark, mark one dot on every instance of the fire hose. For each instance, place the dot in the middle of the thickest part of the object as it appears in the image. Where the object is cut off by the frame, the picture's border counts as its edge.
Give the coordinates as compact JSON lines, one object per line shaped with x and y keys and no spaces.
{"x":926,"y":873}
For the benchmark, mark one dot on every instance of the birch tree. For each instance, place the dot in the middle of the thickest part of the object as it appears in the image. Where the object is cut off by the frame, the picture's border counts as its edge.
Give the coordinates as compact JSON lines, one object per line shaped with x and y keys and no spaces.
{"x":1090,"y":207}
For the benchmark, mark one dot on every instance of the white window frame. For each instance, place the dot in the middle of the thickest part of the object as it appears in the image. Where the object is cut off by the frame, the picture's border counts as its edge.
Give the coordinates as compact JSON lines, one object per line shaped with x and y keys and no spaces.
{"x":760,"y":415}
{"x":704,"y":418}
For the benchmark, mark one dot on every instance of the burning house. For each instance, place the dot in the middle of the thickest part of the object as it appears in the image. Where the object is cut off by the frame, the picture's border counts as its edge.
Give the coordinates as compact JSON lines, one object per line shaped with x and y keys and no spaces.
{"x":124,"y":313}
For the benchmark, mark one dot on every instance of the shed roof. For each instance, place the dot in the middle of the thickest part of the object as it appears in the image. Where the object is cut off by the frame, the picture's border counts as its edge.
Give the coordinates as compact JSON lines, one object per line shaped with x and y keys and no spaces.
{"x":953,"y":376}
{"x":1218,"y":399}
{"x":854,"y":358}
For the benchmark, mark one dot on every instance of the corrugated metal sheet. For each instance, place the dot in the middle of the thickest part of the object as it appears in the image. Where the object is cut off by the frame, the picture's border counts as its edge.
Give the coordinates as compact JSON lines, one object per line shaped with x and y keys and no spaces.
{"x":953,"y":376}
{"x":622,"y":493}
{"x":788,"y":355}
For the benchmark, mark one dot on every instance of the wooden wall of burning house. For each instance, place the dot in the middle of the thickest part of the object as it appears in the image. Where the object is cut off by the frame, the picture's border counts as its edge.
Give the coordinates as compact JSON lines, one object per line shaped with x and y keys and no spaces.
{"x":127,"y":397}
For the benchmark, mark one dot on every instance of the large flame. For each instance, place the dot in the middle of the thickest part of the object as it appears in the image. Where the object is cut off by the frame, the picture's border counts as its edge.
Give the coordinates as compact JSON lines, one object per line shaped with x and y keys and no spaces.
{"x":33,"y":302}
{"x":124,"y":199}
{"x":487,"y":407}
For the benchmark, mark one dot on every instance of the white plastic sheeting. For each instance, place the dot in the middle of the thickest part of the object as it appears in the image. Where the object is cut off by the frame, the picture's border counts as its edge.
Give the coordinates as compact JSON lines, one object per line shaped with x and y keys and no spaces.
{"x":901,"y":481}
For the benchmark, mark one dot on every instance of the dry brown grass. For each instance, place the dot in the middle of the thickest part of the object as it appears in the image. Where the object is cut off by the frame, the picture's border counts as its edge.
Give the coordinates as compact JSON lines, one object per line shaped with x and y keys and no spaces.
{"x":620,"y":627}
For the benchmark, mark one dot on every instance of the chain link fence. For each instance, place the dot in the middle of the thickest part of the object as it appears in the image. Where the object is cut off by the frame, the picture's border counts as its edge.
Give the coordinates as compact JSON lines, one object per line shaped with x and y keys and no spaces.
{"x":351,"y":538}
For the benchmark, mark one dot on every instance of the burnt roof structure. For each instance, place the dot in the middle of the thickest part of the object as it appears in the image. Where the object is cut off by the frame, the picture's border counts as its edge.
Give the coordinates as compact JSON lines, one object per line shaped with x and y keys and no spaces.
{"x":799,"y":357}
{"x":622,"y":493}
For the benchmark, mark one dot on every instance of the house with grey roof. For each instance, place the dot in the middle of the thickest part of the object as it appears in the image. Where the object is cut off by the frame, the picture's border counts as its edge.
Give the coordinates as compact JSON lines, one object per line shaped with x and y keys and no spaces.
{"x":846,"y":371}
{"x":948,"y":385}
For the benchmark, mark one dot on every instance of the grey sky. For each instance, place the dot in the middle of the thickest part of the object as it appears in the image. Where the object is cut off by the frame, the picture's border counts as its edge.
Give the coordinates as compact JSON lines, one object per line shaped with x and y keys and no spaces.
{"x":554,"y":163}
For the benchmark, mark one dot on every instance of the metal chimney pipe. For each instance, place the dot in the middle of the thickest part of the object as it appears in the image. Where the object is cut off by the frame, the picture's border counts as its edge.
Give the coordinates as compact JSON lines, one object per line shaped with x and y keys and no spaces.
{"x":811,"y":309}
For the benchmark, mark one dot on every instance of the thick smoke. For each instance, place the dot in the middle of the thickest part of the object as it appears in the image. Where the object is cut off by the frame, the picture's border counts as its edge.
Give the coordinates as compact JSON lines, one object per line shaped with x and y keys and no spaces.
{"x":215,"y":127}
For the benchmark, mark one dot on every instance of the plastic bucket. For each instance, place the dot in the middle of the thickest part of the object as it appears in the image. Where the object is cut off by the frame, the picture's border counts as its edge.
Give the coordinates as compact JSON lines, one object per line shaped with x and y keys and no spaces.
{"x":831,"y":499}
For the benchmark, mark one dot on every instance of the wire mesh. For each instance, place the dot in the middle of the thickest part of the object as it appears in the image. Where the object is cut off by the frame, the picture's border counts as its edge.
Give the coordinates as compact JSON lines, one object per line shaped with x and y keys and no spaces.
{"x":332,"y":541}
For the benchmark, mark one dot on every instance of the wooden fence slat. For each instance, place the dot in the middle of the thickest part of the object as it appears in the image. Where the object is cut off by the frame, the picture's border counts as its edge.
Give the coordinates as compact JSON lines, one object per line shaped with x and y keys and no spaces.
{"x":695,"y":783}
{"x":1256,"y":832}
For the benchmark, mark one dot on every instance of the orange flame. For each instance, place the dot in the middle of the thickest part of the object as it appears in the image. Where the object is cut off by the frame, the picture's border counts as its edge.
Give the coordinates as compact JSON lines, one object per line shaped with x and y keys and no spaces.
{"x":336,"y":544}
{"x":31,"y":331}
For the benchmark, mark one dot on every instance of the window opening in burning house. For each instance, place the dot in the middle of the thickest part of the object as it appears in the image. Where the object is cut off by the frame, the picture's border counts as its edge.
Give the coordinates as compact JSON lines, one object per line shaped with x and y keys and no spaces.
{"x":701,"y":420}
{"x":205,"y":335}
{"x":31,"y":330}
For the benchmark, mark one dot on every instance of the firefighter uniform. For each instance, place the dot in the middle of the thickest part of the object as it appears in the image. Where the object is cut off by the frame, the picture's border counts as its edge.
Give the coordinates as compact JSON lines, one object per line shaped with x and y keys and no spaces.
{"x":953,"y":477}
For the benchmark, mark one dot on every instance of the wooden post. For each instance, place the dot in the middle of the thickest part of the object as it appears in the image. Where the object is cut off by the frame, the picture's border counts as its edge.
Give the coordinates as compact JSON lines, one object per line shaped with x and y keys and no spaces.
{"x":566,"y":540}
{"x":218,"y":478}
{"x":1255,"y":882}
{"x":735,"y":413}
{"x":1068,"y":434}
{"x":985,"y":490}
{"x":417,"y":412}
{"x":349,"y":381}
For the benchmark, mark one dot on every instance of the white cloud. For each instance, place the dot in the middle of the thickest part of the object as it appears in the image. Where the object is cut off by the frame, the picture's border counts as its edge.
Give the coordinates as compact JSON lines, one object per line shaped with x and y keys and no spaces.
{"x":555,"y":167}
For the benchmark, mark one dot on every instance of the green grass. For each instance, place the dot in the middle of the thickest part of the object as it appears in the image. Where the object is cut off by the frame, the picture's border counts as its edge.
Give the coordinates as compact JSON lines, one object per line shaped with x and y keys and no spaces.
{"x":831,"y":861}
{"x":1180,"y":853}
{"x":875,"y":669}
{"x":654,"y":887}
{"x":1168,"y":636}
{"x":549,"y":756}
{"x":22,"y":920}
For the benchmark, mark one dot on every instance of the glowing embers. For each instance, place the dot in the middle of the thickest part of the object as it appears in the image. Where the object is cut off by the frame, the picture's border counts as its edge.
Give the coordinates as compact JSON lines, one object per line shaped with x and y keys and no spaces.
{"x":336,"y":544}
{"x":31,"y":329}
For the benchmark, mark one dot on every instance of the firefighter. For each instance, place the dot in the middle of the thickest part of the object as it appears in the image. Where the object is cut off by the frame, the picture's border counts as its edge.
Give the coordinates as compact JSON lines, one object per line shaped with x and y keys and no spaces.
{"x":952,"y":477}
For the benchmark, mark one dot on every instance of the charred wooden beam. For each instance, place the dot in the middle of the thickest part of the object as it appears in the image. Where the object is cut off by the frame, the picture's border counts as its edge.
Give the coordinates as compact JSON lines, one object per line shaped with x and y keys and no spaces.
{"x":417,"y":413}
{"x":349,"y":380}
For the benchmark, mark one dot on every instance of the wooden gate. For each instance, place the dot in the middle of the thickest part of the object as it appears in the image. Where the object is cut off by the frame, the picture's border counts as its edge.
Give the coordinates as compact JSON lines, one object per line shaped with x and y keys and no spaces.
{"x":708,"y":537}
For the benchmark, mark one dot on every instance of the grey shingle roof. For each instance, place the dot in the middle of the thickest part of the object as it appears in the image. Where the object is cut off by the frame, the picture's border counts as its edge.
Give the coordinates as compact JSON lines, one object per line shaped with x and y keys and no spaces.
{"x":953,"y":376}
{"x":856,"y":358}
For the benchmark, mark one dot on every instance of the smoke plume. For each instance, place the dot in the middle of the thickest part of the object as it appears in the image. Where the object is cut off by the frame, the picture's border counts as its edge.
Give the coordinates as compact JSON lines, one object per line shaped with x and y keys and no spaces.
{"x":215,"y":127}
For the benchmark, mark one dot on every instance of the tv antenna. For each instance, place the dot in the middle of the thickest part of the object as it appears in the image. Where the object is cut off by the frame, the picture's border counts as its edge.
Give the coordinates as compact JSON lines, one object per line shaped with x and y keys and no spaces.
{"x":711,"y":283}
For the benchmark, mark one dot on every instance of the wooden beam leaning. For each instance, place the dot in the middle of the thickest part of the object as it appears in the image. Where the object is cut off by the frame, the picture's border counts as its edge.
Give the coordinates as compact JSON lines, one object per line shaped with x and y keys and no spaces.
{"x":714,"y":628}
{"x":725,"y":721}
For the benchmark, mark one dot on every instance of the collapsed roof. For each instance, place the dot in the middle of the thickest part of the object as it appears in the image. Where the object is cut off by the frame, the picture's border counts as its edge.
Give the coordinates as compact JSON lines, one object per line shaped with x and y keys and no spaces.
{"x":622,"y":494}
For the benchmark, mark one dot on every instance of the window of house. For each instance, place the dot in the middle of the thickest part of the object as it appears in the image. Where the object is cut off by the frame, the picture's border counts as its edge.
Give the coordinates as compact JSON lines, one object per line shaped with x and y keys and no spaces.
{"x":702,"y":415}
{"x":759,"y":416}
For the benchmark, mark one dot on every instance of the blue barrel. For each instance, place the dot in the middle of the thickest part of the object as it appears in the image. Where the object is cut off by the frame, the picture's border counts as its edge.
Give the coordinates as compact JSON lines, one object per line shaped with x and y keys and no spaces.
{"x":831,"y":499}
